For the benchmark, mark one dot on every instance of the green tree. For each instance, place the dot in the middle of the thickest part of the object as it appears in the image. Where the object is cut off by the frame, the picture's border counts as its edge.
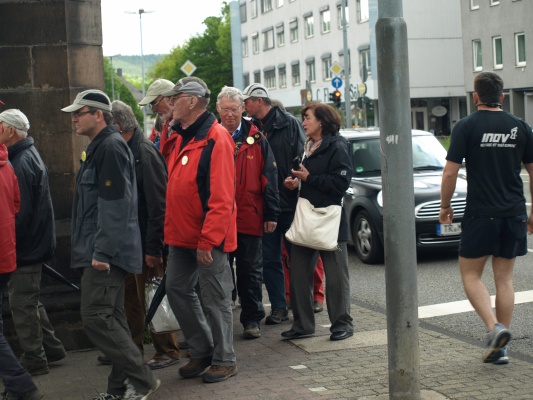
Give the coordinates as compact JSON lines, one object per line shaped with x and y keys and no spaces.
{"x":121,"y":91}
{"x":210,"y":52}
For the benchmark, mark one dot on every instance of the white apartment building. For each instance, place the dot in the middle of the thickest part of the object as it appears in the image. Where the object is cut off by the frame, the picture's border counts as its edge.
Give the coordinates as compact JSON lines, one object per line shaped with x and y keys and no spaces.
{"x":290,"y":46}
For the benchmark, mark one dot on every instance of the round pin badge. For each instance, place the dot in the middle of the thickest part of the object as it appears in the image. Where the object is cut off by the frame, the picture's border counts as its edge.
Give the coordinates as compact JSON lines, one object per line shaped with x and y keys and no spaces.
{"x":184,"y":160}
{"x":83,"y":156}
{"x":250,"y":140}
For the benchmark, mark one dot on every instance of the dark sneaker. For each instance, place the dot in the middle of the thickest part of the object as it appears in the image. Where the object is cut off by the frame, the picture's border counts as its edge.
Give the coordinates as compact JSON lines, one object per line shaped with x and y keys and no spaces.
{"x":107,"y":396}
{"x":103,"y":360}
{"x":55,"y":357}
{"x":195,"y":367}
{"x":33,"y":395}
{"x":503,"y":358}
{"x":251,"y":332}
{"x":496,"y":339}
{"x":219,"y":373}
{"x":36,"y":369}
{"x":277,"y":315}
{"x":132,"y":394}
{"x":318,"y":306}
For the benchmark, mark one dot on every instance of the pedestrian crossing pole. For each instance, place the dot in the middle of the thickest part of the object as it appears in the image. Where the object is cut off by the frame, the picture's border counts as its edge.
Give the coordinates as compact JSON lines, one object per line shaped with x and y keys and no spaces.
{"x":398,"y":196}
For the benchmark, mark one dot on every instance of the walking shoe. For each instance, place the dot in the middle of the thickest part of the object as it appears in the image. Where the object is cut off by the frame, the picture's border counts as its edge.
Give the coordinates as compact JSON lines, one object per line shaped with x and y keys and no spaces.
{"x":277,"y":315}
{"x":32,"y":395}
{"x":496,"y":339}
{"x":103,"y":360}
{"x":251,"y":332}
{"x":318,"y":306}
{"x":502,"y":357}
{"x":132,"y":394}
{"x":161,"y":361}
{"x":219,"y":373}
{"x":107,"y":396}
{"x":195,"y":367}
{"x":55,"y":357}
{"x":35,"y":369}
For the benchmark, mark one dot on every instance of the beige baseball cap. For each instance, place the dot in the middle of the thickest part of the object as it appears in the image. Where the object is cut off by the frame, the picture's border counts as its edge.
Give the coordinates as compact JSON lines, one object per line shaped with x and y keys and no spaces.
{"x":156,"y":89}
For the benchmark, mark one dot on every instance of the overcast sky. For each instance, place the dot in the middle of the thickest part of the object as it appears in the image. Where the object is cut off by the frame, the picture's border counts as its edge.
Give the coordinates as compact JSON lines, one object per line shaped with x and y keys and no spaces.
{"x":165,"y":24}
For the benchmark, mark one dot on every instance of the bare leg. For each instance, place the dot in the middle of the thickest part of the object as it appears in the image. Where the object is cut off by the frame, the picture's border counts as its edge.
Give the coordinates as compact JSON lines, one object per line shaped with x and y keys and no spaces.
{"x":503,"y":278}
{"x":475,"y":289}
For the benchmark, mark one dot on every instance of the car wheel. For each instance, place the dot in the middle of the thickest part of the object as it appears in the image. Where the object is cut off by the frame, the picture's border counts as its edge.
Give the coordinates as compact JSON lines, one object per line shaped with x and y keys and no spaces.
{"x":366,"y":239}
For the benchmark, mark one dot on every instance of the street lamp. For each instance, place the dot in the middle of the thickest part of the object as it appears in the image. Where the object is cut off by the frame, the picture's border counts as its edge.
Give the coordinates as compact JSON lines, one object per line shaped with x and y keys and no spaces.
{"x":141,"y":12}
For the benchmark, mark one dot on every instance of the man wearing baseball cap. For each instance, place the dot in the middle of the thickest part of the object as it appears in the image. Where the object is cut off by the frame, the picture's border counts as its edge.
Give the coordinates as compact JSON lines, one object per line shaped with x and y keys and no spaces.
{"x":160,"y":106}
{"x":106,"y":243}
{"x":36,"y":243}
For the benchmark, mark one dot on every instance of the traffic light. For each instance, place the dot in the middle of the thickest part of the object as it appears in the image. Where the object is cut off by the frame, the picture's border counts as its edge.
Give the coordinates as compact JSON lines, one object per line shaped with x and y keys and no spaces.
{"x":332,"y":98}
{"x":337,"y":98}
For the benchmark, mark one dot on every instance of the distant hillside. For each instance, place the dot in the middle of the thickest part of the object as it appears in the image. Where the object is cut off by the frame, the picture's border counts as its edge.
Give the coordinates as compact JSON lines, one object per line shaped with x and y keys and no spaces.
{"x":132,"y":65}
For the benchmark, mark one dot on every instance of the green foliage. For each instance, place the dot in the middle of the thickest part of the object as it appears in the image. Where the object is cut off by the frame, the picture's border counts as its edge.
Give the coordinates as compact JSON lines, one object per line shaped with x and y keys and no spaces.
{"x":444,"y":140}
{"x":209,"y":52}
{"x":121,"y":91}
{"x":132,"y":65}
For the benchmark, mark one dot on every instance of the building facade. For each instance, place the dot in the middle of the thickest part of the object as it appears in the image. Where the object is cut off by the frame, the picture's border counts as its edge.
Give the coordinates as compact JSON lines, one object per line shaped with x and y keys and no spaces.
{"x":497,"y":37}
{"x":295,"y":48}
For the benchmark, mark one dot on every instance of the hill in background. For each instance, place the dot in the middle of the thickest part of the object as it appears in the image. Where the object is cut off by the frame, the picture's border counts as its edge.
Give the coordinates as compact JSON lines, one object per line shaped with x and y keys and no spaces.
{"x":132,"y":66}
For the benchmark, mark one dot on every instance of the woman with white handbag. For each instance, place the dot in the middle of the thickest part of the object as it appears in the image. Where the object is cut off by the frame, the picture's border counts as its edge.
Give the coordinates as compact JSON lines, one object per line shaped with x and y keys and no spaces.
{"x":320,"y":224}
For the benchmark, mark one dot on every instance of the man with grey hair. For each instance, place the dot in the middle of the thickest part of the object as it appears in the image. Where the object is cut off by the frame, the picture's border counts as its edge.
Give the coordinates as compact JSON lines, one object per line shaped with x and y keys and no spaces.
{"x":36,"y":243}
{"x":257,"y":201}
{"x":160,"y":106}
{"x":106,"y":243}
{"x":151,"y":175}
{"x":200,"y":229}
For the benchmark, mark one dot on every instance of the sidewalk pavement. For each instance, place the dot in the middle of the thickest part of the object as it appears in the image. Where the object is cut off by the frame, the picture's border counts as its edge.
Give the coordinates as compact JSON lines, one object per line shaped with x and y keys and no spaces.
{"x":315,"y":368}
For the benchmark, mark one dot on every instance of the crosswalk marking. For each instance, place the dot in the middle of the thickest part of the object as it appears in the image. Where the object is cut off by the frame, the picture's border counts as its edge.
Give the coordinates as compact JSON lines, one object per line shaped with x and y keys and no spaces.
{"x":456,"y":307}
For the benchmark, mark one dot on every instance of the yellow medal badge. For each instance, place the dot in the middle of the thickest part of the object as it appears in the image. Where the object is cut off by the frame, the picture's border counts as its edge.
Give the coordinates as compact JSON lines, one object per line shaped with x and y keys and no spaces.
{"x":250,"y":140}
{"x":184,"y":160}
{"x":83,"y":156}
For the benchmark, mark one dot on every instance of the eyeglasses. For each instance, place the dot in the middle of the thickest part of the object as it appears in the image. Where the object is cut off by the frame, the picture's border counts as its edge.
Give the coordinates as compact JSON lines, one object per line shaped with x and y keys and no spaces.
{"x":152,"y":105}
{"x":176,"y":97}
{"x":77,"y":114}
{"x":231,"y":110}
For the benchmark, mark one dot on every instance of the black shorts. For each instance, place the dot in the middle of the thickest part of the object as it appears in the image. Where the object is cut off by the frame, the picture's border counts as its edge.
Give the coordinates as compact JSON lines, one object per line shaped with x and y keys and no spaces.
{"x":500,"y":237}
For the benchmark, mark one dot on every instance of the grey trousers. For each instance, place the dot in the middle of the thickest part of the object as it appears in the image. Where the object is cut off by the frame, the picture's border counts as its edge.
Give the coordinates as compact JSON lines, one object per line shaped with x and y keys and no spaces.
{"x":104,"y":320}
{"x":34,"y":331}
{"x":209,"y":329}
{"x":303,"y":262}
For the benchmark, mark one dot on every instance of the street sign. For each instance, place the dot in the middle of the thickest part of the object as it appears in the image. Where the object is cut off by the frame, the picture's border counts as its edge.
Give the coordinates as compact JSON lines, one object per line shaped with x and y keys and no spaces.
{"x":188,"y":68}
{"x":336,"y":68}
{"x":361,"y":88}
{"x":336,"y":82}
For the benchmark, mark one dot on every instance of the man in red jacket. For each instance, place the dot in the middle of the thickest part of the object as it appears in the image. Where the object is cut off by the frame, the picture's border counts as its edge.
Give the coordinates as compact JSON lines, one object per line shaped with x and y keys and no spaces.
{"x":200,"y":229}
{"x":18,"y":383}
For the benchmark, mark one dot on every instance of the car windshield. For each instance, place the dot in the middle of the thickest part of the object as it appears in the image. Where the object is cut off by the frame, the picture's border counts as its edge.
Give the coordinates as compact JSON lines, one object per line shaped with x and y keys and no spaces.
{"x":428,"y":154}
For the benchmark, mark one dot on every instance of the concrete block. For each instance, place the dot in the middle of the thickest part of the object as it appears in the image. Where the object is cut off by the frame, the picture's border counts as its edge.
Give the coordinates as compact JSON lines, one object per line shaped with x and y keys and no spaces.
{"x":15,"y":68}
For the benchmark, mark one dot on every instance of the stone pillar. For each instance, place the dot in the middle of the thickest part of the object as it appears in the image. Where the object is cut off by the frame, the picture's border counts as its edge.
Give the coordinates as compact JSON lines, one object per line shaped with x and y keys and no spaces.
{"x":50,"y":50}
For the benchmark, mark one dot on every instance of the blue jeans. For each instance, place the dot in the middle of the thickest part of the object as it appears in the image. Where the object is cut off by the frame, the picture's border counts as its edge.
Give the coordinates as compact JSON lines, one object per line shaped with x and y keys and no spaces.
{"x":273,"y":276}
{"x":17,"y":381}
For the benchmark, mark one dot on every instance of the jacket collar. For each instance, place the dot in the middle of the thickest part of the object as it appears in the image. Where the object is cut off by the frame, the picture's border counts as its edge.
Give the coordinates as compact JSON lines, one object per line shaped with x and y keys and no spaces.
{"x":15,"y":149}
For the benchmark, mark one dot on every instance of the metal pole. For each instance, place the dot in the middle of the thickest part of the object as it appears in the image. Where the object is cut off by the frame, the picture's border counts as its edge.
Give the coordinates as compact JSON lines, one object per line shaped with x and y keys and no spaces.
{"x":141,"y":11}
{"x":112,"y":80}
{"x":398,"y":196}
{"x":347,"y":99}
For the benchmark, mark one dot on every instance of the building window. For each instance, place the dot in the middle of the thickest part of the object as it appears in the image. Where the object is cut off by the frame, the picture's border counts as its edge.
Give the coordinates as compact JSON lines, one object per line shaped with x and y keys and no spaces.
{"x":270,"y":78}
{"x":279,"y":3}
{"x":364,"y":62}
{"x":293,"y":24}
{"x":520,"y":49}
{"x":257,"y":76}
{"x":339,"y":16}
{"x":477,"y":55}
{"x":326,"y":68}
{"x":280,"y":34}
{"x":255,"y":43}
{"x":282,"y":75}
{"x":497,"y":52}
{"x":253,"y":7}
{"x":242,"y":9}
{"x":325,"y":21}
{"x":362,"y":10}
{"x":268,"y":39}
{"x":310,"y":70}
{"x":474,"y":4}
{"x":295,"y":69}
{"x":494,"y":2}
{"x":266,"y":6}
{"x":244,"y":45}
{"x":309,"y":26}
{"x":246,"y":80}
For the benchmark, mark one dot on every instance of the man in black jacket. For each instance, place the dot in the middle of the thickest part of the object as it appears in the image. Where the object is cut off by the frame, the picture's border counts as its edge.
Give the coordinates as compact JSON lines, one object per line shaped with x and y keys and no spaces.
{"x":151,"y":175}
{"x":285,"y":135}
{"x":36,"y":242}
{"x":106,"y":243}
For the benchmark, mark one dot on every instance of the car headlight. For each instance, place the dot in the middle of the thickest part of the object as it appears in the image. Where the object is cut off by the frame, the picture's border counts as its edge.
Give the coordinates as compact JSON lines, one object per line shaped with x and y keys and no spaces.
{"x":379,"y":198}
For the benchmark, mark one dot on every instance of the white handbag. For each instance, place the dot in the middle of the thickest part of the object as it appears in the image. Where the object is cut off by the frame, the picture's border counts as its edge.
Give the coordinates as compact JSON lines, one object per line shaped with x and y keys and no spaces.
{"x":315,"y":227}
